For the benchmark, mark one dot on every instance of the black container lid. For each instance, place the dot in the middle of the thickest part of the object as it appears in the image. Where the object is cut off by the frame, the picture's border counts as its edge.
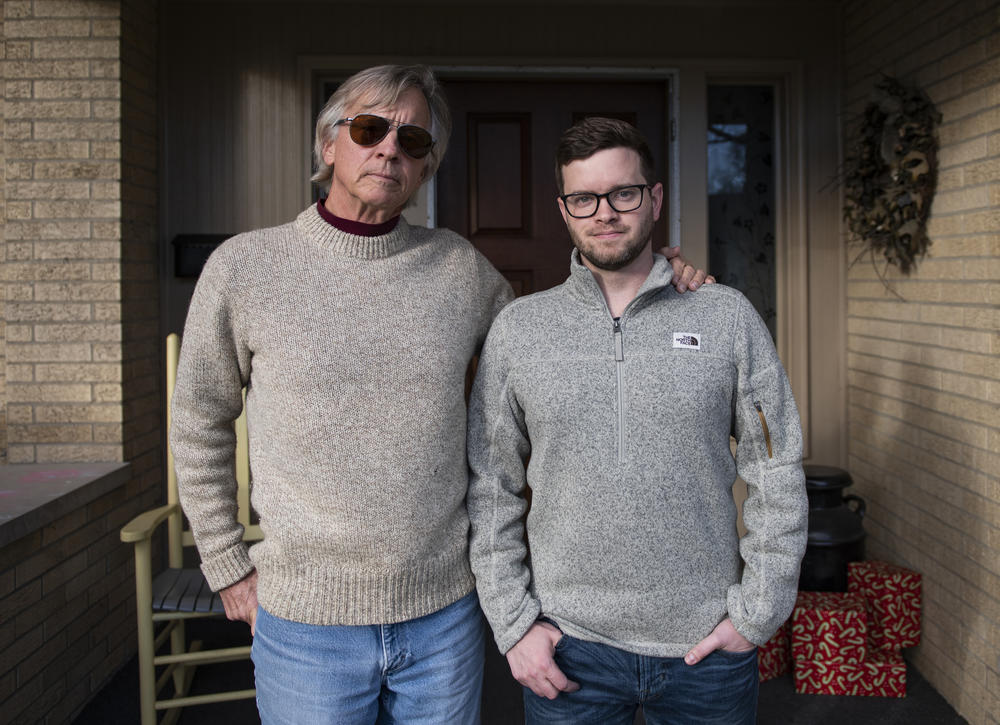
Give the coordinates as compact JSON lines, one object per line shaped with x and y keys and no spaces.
{"x":822,"y":477}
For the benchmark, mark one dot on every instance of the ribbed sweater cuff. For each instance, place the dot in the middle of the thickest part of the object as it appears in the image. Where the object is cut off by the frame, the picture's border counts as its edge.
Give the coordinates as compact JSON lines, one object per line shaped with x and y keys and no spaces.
{"x":740,"y":618}
{"x":227,"y":568}
{"x":328,"y":595}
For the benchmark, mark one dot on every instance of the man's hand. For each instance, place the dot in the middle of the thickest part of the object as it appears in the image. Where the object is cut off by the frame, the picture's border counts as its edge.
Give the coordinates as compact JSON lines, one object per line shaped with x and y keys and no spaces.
{"x":240,"y":600}
{"x":724,"y":636}
{"x":532,"y":664}
{"x":685,"y":276}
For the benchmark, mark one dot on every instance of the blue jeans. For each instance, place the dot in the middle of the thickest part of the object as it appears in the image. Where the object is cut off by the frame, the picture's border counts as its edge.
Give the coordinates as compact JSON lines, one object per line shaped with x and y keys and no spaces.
{"x":721,"y":689}
{"x":425,"y":670}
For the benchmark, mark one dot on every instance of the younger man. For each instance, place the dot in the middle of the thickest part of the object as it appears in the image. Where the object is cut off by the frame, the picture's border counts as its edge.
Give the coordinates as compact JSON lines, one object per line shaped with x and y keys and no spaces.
{"x":623,"y":394}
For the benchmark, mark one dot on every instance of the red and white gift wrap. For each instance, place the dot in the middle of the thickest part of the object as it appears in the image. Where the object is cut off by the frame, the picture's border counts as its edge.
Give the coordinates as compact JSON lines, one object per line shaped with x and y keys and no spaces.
{"x":775,"y":657}
{"x":892,"y":594}
{"x":830,"y":627}
{"x":883,"y":674}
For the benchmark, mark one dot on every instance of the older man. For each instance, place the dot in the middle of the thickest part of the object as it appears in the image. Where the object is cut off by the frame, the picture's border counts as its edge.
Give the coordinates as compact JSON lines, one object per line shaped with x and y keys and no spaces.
{"x":351,"y":331}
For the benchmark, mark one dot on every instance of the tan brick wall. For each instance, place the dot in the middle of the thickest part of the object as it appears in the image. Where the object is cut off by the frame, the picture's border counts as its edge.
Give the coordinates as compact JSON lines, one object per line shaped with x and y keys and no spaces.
{"x":3,"y":253}
{"x":64,"y":252}
{"x":66,"y":612}
{"x":141,"y":378}
{"x":81,"y":343}
{"x":924,"y":371}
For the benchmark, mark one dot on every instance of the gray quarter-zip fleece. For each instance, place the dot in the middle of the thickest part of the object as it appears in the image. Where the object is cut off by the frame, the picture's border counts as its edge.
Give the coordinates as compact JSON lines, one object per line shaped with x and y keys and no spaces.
{"x":621,"y":429}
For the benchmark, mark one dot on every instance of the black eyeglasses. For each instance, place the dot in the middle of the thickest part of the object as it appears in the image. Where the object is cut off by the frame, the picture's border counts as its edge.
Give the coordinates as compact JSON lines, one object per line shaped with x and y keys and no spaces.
{"x":368,"y":130}
{"x":585,"y":204}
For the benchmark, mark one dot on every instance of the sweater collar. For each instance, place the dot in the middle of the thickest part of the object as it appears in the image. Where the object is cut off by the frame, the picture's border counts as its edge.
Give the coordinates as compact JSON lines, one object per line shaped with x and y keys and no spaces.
{"x":351,"y":226}
{"x":582,"y":284}
{"x":319,"y":231}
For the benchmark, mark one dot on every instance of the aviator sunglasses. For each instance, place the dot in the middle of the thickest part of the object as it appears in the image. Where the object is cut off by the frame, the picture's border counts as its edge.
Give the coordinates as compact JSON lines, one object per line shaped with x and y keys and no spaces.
{"x":368,"y":130}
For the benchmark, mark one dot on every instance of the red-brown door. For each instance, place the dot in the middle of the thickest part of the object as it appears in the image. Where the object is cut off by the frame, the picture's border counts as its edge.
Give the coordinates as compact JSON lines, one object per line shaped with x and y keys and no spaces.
{"x":496,"y":186}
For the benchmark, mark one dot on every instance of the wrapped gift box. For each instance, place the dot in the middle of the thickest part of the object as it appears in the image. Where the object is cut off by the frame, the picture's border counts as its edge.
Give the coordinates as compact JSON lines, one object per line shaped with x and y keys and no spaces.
{"x":829,"y":626}
{"x":892,"y":596}
{"x":883,"y":674}
{"x":774,"y":659}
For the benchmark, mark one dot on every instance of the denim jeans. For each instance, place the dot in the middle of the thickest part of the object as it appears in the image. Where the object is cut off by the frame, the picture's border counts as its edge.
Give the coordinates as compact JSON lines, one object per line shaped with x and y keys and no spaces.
{"x":426,"y":670}
{"x":721,"y":689}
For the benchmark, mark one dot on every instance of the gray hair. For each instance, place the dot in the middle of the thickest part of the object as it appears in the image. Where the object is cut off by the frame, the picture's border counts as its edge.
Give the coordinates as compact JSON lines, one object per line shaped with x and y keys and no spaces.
{"x":382,"y":86}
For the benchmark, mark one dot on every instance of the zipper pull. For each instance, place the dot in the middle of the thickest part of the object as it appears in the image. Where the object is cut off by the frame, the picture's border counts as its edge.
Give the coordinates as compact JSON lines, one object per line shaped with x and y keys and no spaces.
{"x":619,"y":345}
{"x":763,"y":425}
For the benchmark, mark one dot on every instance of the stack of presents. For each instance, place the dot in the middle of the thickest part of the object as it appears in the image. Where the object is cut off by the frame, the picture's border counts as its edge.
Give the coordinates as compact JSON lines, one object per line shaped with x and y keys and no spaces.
{"x":849,"y":643}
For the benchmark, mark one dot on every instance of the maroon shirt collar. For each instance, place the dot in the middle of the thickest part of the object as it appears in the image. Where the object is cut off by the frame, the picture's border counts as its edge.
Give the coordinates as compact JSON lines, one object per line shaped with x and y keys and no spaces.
{"x":361,"y":229}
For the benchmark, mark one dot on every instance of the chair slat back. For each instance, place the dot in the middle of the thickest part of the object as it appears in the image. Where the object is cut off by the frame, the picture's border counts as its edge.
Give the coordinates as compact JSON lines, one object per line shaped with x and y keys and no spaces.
{"x":175,"y":524}
{"x":251,"y":531}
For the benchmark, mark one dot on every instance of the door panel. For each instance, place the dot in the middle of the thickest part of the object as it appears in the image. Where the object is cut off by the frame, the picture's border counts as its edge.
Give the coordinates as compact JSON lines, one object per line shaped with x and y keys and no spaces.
{"x":497,"y":186}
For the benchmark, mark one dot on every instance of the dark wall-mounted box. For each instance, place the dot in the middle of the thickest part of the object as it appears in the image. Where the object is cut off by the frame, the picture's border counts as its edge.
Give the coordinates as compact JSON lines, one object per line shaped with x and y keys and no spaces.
{"x":191,"y":251}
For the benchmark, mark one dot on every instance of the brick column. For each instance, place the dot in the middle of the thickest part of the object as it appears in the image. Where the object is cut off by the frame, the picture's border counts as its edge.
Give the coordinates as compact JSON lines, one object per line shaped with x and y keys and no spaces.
{"x":142,"y":345}
{"x":80,"y":373}
{"x":3,"y":254}
{"x":63,"y":231}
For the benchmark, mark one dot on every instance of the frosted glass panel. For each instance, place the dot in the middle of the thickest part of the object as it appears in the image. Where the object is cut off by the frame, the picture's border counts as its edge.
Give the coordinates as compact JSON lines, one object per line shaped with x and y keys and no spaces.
{"x":741,"y":186}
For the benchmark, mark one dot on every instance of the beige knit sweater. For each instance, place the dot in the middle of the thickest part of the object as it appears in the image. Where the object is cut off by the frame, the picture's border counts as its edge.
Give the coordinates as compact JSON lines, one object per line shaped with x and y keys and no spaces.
{"x":353,"y":351}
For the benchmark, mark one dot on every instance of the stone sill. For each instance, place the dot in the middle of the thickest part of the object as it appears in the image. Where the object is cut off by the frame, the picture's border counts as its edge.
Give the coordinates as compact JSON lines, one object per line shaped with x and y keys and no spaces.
{"x":33,"y":495}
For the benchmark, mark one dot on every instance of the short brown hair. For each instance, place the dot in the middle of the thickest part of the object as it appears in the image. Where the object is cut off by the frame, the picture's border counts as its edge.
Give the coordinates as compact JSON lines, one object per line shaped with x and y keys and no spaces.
{"x":585,"y":138}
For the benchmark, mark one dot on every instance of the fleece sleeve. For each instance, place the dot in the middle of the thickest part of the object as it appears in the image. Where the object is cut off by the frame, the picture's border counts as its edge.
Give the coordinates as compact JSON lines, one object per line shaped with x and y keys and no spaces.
{"x":769,"y":459}
{"x":498,"y":448}
{"x":213,"y":369}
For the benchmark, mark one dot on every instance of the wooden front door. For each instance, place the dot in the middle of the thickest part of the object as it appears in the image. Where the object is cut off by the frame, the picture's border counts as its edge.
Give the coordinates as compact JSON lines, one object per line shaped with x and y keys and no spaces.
{"x":496,"y":186}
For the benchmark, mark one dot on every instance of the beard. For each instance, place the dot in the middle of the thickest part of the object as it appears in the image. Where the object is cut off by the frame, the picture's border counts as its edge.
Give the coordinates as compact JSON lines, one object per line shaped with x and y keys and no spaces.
{"x":611,"y":259}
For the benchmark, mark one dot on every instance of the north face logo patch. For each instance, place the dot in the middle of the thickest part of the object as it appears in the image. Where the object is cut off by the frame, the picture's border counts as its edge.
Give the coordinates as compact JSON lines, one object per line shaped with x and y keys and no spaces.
{"x":687,"y":340}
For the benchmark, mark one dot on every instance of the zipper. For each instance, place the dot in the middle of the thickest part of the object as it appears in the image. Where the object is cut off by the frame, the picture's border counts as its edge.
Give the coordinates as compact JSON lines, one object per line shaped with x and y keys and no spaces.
{"x":763,"y":425}
{"x":619,"y":373}
{"x":620,"y":367}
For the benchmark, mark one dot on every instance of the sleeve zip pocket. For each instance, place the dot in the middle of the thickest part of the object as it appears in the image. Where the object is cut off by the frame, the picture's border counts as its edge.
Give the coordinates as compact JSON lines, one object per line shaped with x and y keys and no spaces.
{"x":763,"y":425}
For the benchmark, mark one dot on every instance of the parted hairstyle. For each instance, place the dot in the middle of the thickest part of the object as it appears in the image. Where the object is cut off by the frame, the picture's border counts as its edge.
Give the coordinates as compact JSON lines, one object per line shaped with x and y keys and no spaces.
{"x":381,"y":86}
{"x":585,"y":138}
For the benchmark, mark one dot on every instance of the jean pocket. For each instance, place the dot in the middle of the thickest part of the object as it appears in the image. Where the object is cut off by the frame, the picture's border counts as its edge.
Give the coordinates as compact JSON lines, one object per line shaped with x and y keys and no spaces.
{"x":561,"y":642}
{"x":737,"y":656}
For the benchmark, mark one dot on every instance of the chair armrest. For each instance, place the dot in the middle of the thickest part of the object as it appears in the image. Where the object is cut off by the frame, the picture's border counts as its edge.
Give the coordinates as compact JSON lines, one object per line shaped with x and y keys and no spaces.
{"x":143,"y":525}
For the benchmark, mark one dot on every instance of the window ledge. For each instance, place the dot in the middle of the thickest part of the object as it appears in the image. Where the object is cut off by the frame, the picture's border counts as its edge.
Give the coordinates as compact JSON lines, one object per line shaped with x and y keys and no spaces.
{"x":33,"y":495}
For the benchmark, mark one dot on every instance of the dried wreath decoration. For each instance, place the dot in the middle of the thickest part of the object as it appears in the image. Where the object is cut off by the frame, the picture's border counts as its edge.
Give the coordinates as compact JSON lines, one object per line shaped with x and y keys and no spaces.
{"x":890,"y":171}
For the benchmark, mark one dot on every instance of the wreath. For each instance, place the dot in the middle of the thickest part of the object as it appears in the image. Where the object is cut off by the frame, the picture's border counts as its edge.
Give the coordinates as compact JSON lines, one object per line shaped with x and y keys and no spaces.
{"x":890,"y":170}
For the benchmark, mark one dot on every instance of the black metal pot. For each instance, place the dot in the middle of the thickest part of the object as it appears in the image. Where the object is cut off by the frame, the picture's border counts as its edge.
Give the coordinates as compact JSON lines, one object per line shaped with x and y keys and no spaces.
{"x":836,"y":531}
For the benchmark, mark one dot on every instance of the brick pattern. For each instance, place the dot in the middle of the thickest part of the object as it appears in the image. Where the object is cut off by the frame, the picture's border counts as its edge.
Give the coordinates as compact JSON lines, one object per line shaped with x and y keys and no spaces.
{"x":924,"y":370}
{"x":64,"y":256}
{"x":80,"y":353}
{"x":3,"y":252}
{"x":67,"y":612}
{"x":141,"y":429}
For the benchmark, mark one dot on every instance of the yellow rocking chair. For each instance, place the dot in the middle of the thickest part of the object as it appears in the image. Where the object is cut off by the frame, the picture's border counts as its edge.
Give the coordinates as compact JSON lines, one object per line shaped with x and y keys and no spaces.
{"x":178,"y":594}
